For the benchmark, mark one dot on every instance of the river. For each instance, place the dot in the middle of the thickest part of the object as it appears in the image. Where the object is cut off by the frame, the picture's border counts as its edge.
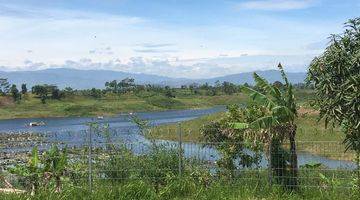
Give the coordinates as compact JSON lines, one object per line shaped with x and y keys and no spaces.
{"x":72,"y":131}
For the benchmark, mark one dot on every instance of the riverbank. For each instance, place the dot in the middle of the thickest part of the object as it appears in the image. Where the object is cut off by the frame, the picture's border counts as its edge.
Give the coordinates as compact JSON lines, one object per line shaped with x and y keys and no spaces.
{"x":312,"y":136}
{"x":109,"y":105}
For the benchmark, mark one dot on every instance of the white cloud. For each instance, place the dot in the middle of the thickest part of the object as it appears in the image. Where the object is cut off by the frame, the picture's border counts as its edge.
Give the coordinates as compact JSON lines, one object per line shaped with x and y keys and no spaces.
{"x":276,"y":5}
{"x":155,"y":45}
{"x":54,"y":35}
{"x":26,"y":12}
{"x":152,"y":46}
{"x":155,"y":48}
{"x":102,"y":51}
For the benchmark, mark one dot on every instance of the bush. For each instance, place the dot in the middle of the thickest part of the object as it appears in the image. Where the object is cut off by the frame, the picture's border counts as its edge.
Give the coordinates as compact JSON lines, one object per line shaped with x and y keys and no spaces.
{"x":153,"y":167}
{"x":164,"y":102}
{"x":121,"y":166}
{"x":80,"y":109}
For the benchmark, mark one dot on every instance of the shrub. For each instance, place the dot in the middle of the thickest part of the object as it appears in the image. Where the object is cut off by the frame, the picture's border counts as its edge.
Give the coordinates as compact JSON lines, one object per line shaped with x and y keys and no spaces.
{"x":164,"y":102}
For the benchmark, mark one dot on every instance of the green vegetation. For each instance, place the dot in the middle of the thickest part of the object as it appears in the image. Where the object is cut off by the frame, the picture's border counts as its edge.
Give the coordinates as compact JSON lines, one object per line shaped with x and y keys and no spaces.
{"x":269,"y":119}
{"x":308,"y":125}
{"x":183,"y":188}
{"x":336,"y":79}
{"x":311,"y":133}
{"x":120,"y":174}
{"x":109,"y":104}
{"x":190,"y":129}
{"x":309,"y":128}
{"x":4,"y":86}
{"x":118,"y":96}
{"x":15,"y":93}
{"x":263,"y":125}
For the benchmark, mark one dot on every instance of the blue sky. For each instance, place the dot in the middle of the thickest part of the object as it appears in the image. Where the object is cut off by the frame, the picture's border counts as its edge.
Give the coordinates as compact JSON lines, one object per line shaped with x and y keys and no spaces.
{"x":177,"y":38}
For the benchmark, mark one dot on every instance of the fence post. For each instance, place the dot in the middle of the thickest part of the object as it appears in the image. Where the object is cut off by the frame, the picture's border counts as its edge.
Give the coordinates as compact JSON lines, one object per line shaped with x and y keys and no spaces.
{"x":180,"y":149}
{"x":270,"y":163}
{"x":358,"y":168}
{"x":90,"y":157}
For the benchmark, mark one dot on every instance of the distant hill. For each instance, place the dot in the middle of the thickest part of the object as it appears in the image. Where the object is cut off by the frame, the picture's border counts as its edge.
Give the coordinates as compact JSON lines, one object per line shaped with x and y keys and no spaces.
{"x":270,"y":75}
{"x":81,"y":79}
{"x":85,"y":79}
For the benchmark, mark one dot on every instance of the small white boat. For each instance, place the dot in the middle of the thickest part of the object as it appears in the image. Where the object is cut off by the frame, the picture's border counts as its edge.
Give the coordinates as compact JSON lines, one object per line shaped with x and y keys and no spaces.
{"x":100,"y":117}
{"x":37,"y":124}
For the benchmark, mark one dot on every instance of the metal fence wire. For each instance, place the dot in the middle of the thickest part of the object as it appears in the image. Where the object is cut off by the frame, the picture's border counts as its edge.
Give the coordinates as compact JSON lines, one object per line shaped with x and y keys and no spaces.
{"x":119,"y":155}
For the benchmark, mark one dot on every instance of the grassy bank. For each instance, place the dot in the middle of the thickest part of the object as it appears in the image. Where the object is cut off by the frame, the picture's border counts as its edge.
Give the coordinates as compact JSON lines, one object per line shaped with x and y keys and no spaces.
{"x":312,"y":135}
{"x":110,"y":104}
{"x":309,"y":129}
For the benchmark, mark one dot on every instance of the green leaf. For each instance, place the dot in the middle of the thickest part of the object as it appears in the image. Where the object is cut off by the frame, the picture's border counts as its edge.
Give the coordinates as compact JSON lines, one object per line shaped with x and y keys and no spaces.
{"x":258,"y":97}
{"x":34,"y":161}
{"x":264,"y":122}
{"x":283,"y":114}
{"x":239,"y":125}
{"x":283,"y":75}
{"x":268,"y":88}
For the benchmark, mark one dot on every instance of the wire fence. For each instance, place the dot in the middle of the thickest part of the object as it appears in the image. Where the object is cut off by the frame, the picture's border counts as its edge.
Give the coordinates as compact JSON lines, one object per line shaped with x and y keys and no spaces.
{"x":117,"y":155}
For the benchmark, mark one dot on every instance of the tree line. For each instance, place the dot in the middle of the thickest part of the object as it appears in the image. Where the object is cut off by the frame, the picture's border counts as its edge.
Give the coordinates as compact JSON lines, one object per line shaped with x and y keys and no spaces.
{"x":127,"y":85}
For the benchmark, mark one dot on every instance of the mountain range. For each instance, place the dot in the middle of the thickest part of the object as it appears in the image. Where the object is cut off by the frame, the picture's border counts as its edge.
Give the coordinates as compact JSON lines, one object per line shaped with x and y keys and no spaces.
{"x":85,"y":79}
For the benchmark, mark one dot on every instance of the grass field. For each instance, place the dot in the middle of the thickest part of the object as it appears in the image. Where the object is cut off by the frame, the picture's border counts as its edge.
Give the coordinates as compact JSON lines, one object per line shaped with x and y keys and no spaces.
{"x":111,"y":104}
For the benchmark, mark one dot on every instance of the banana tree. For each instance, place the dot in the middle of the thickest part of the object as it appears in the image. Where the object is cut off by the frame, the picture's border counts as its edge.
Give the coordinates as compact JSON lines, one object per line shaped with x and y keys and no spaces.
{"x":277,"y":123}
{"x":55,"y":161}
{"x":32,"y":171}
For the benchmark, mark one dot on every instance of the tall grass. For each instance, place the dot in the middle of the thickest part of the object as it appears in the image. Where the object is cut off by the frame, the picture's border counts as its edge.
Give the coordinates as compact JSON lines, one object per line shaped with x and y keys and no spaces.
{"x":122,"y":174}
{"x":184,"y":188}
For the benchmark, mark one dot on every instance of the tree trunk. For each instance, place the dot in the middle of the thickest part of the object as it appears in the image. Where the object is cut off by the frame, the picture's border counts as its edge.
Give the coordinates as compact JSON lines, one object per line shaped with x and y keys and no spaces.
{"x":293,"y":179}
{"x":33,"y":189}
{"x":58,"y":184}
